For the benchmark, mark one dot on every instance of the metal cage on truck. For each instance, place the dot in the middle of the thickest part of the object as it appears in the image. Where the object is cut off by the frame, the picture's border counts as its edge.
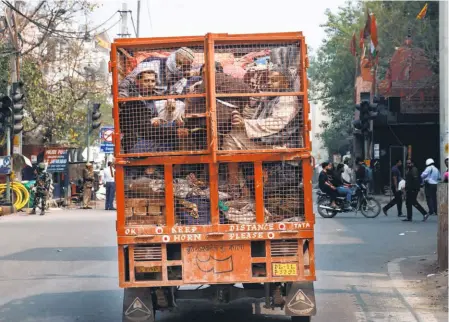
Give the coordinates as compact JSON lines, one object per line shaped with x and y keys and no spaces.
{"x":214,"y":168}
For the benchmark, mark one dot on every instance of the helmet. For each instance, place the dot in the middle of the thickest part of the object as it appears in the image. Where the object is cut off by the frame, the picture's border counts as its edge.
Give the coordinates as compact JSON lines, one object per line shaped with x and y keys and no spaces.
{"x":41,"y":166}
{"x":429,"y":162}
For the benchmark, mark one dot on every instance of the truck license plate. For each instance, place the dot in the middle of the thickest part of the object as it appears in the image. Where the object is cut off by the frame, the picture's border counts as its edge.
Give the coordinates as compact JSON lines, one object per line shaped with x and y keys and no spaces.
{"x":284,"y":269}
{"x":154,"y":269}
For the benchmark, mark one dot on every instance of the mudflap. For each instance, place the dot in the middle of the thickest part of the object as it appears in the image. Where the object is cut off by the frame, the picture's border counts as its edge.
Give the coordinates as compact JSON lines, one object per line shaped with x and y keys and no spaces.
{"x":137,"y":305}
{"x":300,"y":300}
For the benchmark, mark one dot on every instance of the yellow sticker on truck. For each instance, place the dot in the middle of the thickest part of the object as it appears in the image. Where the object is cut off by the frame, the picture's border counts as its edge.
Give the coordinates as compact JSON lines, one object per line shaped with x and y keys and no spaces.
{"x":285,"y":269}
{"x":154,"y":269}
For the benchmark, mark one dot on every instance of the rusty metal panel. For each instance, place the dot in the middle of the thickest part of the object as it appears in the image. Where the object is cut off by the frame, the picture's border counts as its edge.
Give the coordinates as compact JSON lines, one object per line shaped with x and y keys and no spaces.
{"x":217,"y":262}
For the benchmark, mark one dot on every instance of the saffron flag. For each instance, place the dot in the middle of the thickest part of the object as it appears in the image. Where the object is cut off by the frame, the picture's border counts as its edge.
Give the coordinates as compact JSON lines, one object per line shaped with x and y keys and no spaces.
{"x":422,"y":13}
{"x":361,"y":40}
{"x":374,"y":41}
{"x":367,"y":29}
{"x":353,"y":45}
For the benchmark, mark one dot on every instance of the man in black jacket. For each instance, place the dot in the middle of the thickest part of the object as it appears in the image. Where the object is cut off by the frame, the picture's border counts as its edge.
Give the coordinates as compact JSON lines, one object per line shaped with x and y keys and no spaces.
{"x":325,"y":184}
{"x":412,"y":187}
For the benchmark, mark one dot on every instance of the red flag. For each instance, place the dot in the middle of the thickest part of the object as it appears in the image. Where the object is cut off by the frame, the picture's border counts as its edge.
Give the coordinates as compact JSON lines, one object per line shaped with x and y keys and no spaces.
{"x":361,"y":40}
{"x":367,"y":29}
{"x":353,"y":45}
{"x":373,"y":30}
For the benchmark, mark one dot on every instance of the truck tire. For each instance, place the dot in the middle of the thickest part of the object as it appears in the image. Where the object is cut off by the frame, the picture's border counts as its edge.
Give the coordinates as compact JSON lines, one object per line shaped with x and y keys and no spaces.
{"x":301,"y":318}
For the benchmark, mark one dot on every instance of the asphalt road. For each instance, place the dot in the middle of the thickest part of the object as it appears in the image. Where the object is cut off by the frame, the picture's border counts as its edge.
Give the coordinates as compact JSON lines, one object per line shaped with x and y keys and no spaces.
{"x":62,"y":267}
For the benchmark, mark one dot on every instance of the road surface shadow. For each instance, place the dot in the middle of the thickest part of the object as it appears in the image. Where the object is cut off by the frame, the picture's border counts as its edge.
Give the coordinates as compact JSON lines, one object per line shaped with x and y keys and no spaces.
{"x":69,"y":254}
{"x":106,"y":305}
{"x":62,"y":307}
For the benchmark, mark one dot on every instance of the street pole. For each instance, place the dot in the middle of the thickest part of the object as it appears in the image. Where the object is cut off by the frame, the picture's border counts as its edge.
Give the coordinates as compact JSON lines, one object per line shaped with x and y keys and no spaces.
{"x":138,"y":18}
{"x":444,"y":131}
{"x":88,"y":130}
{"x":124,"y":24}
{"x":13,"y":63}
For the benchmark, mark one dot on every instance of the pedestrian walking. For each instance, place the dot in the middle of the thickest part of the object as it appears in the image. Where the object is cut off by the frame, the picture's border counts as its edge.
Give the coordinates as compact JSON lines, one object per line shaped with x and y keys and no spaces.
{"x":412,"y":187}
{"x":396,"y":177}
{"x":431,"y":176}
{"x":109,"y":180}
{"x":88,"y":182}
{"x":42,"y":187}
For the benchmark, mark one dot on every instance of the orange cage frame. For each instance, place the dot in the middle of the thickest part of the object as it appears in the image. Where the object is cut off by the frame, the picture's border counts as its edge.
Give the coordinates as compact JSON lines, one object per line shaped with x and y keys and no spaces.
{"x":132,"y":235}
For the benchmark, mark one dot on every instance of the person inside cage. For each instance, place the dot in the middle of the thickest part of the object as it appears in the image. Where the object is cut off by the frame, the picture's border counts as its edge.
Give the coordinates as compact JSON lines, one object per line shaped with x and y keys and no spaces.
{"x":224,"y":83}
{"x":274,"y":123}
{"x":148,"y":125}
{"x":173,"y":71}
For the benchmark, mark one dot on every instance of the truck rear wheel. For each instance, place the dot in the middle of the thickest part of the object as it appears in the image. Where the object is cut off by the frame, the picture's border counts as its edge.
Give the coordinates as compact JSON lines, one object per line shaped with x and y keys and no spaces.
{"x":301,"y":318}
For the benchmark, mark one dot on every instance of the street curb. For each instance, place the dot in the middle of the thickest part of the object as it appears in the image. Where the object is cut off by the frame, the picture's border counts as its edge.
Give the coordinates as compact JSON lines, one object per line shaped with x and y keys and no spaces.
{"x":399,"y":282}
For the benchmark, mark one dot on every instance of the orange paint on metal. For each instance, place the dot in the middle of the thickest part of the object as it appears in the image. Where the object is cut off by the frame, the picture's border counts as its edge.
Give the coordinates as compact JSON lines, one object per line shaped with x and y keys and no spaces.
{"x":213,"y":173}
{"x":222,"y":262}
{"x":258,"y":181}
{"x":307,"y":182}
{"x":169,"y":198}
{"x":230,"y":261}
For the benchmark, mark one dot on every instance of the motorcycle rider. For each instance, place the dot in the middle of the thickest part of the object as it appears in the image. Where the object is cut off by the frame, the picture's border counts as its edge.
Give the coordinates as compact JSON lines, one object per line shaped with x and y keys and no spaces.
{"x":325,"y":183}
{"x":343,"y":187}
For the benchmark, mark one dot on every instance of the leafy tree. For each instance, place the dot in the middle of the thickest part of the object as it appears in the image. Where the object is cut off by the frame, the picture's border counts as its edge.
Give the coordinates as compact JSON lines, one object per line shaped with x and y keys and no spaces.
{"x":57,"y":79}
{"x":333,"y":72}
{"x":333,"y":68}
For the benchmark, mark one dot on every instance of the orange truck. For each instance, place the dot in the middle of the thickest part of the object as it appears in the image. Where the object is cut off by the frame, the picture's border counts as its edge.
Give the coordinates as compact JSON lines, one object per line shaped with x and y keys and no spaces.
{"x":214,"y":172}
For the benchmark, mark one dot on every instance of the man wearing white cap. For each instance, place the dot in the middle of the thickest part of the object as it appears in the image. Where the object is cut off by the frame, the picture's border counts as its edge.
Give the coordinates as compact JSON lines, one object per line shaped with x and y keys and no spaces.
{"x":431,"y":176}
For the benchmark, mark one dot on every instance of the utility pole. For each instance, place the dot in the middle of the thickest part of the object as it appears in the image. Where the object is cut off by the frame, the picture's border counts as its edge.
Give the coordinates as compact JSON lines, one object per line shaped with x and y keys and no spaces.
{"x":138,"y":18}
{"x":14,"y":77}
{"x":89,"y":121}
{"x":444,"y":131}
{"x":124,"y":25}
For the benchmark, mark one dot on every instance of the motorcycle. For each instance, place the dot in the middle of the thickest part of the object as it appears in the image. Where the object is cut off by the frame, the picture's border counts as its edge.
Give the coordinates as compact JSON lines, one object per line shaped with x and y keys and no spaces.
{"x":360,"y":201}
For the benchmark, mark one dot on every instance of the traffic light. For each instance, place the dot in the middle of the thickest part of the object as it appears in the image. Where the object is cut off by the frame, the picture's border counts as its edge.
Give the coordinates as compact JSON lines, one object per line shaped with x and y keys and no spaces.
{"x":96,"y":115}
{"x":17,"y":96}
{"x":367,"y":112}
{"x":5,"y":113}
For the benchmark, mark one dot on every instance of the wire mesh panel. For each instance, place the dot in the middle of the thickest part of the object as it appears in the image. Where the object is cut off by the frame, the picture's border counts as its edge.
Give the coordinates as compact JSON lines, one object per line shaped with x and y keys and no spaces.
{"x":236,"y":193}
{"x":260,"y":123}
{"x":163,"y":124}
{"x":246,"y":68}
{"x":192,"y":194}
{"x":283,"y":191}
{"x":145,"y":195}
{"x":158,"y":71}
